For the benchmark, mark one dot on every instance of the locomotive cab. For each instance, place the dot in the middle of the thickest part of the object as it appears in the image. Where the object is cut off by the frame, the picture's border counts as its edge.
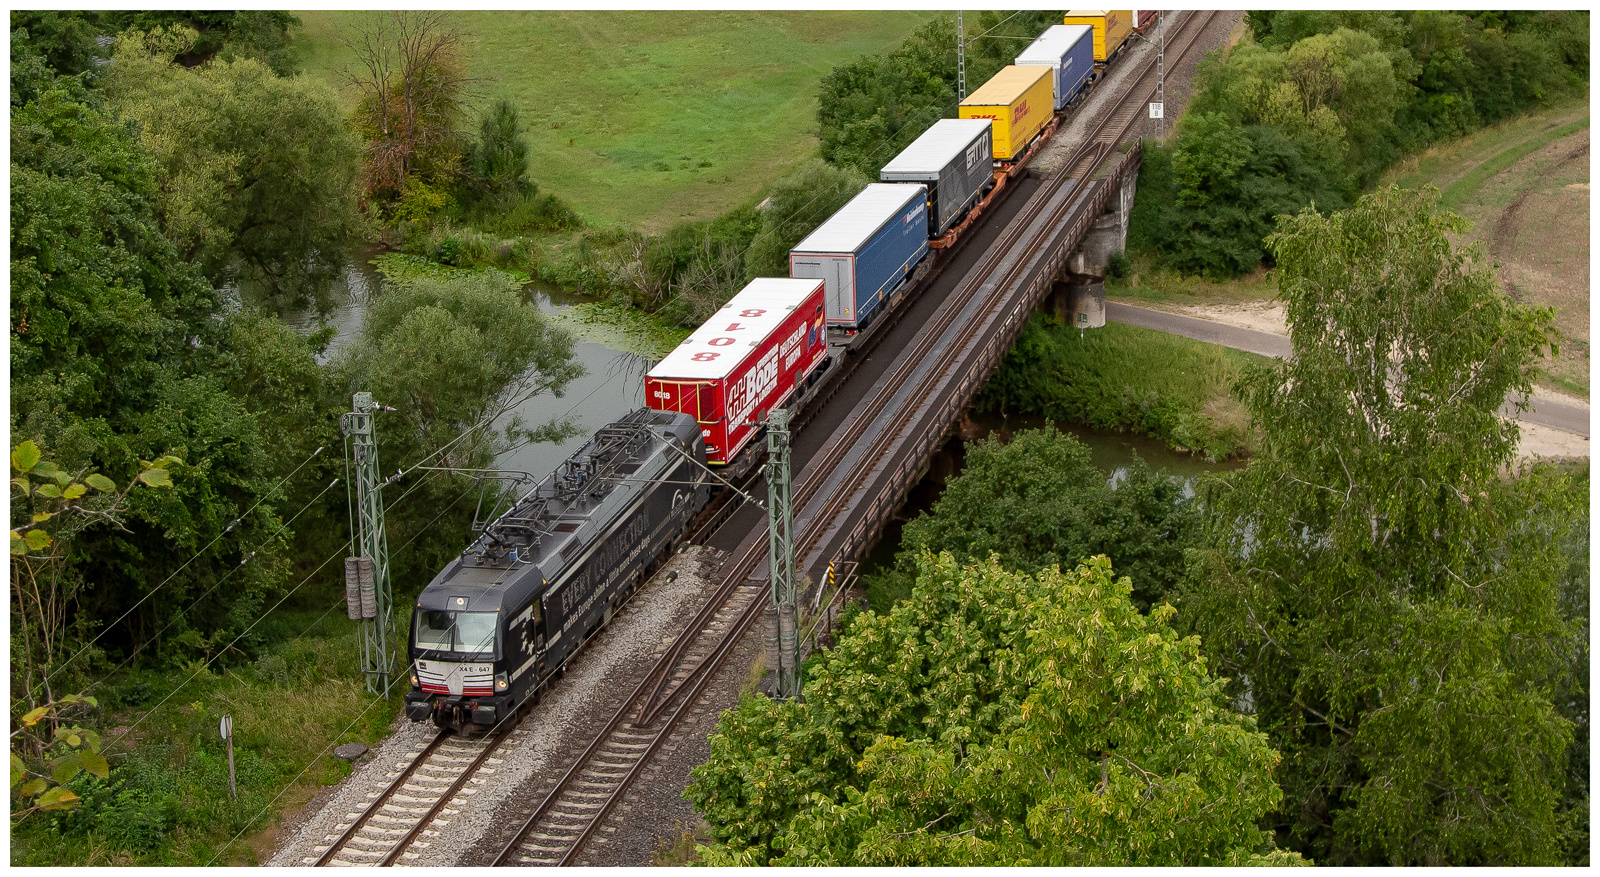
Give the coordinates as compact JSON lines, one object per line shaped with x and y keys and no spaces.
{"x":465,"y":645}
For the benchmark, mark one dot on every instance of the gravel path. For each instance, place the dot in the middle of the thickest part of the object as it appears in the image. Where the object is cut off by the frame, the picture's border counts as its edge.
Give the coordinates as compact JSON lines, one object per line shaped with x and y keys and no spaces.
{"x":572,"y":711}
{"x":1071,"y":132}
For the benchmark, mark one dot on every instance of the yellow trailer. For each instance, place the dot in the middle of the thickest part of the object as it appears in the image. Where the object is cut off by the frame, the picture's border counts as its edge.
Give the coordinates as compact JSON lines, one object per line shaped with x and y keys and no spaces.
{"x":1111,"y":28}
{"x":1020,"y":101}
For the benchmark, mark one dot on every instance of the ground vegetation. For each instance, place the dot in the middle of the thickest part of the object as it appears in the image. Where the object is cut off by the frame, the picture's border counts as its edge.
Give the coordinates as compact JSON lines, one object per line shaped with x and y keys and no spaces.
{"x":1121,"y":377}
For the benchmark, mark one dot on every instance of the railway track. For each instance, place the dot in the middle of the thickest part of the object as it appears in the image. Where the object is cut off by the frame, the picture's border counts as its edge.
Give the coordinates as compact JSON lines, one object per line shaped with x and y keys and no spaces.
{"x":567,"y":816}
{"x":884,"y":468}
{"x":570,"y":813}
{"x":416,"y":795}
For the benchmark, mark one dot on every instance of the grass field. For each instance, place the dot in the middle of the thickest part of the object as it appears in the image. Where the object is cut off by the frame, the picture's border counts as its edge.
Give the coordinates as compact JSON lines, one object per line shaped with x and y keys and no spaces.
{"x":645,"y":118}
{"x":1524,"y":185}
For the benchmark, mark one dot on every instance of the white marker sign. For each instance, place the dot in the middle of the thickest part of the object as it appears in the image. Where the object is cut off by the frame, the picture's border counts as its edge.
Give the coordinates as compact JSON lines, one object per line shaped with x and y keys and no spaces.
{"x":1157,"y":110}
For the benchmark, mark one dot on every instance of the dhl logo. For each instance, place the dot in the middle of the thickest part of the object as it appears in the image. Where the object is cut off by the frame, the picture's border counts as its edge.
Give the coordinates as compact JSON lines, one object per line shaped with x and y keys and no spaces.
{"x":1019,"y":112}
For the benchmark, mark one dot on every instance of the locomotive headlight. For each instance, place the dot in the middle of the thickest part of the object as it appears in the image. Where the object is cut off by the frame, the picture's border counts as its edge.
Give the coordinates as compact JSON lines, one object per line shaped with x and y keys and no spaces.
{"x":414,"y":682}
{"x":500,"y":683}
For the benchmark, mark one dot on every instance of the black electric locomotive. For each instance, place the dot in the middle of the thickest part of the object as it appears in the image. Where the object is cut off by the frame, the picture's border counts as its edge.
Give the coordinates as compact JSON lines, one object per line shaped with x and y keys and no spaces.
{"x":503,"y":618}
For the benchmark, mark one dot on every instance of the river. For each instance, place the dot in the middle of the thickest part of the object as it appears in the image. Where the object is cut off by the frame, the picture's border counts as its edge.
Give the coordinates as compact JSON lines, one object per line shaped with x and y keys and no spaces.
{"x":611,"y":385}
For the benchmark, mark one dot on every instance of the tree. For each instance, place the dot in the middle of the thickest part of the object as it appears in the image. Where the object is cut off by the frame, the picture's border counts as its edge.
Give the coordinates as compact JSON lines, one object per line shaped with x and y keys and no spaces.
{"x":1323,"y":103}
{"x":498,"y":162}
{"x":871,"y":109}
{"x":1039,"y":501}
{"x":254,"y":171}
{"x":411,"y":78}
{"x":995,"y":718}
{"x":65,"y":41}
{"x":1383,"y":592}
{"x":120,"y":352}
{"x":455,"y":351}
{"x":50,"y":506}
{"x":795,"y":206}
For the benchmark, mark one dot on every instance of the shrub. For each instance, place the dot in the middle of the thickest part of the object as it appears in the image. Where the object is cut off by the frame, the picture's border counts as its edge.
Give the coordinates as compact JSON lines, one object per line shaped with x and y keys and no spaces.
{"x":137,"y":821}
{"x":1125,"y":378}
{"x":1118,"y":265}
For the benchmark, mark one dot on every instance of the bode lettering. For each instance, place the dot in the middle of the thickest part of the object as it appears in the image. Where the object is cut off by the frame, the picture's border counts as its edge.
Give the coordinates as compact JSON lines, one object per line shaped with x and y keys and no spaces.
{"x":754,"y":387}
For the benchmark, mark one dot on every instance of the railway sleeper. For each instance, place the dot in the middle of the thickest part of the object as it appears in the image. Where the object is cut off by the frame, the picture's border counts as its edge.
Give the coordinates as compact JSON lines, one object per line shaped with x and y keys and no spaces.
{"x":582,"y":806}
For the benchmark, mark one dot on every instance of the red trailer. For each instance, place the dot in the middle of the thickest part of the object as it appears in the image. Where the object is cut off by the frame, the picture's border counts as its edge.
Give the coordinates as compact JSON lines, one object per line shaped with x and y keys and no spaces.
{"x":748,"y":359}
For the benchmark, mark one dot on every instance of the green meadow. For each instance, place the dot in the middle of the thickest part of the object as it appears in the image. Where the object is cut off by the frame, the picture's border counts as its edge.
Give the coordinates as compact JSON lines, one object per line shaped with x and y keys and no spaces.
{"x":646,"y":118}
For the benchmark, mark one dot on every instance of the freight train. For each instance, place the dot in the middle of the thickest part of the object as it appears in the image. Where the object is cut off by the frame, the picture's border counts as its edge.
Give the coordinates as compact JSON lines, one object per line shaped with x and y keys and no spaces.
{"x":501,"y":620}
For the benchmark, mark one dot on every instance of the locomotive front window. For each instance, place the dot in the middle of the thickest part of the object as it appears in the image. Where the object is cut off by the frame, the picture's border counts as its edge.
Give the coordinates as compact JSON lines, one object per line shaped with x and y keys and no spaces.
{"x":475,"y":631}
{"x":466,"y":632}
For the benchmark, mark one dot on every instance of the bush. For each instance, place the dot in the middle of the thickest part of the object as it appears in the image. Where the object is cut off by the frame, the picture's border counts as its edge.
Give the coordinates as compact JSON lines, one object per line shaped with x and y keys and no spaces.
{"x":1118,"y":265}
{"x":420,"y":201}
{"x":1125,"y":378}
{"x":448,"y":250}
{"x":1322,"y":104}
{"x":137,"y":821}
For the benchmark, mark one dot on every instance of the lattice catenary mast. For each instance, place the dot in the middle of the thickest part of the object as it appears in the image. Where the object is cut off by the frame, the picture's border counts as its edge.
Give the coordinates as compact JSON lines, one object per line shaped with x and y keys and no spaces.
{"x":783,"y":640}
{"x":961,"y":58}
{"x":367,"y":595}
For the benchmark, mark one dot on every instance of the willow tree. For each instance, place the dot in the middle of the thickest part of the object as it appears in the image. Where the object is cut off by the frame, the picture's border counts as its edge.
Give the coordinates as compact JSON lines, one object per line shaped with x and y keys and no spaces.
{"x":256,"y":173}
{"x":1385,"y":591}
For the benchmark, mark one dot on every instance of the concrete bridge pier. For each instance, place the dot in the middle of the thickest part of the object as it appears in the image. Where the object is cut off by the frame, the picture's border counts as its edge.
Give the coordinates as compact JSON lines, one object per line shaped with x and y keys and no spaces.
{"x":1079,"y":300}
{"x":1079,"y":297}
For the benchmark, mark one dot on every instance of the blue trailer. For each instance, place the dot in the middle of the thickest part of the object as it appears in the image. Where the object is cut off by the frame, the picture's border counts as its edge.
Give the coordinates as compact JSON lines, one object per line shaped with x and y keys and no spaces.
{"x":863,"y":252}
{"x":1069,"y":48}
